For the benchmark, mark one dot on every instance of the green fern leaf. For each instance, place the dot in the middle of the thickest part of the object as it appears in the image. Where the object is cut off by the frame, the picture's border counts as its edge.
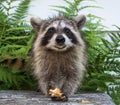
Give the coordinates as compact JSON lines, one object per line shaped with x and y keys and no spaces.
{"x":21,"y":11}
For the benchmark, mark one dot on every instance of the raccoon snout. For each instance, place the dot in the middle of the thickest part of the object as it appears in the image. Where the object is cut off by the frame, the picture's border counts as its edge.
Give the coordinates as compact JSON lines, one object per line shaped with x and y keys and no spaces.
{"x":60,"y":39}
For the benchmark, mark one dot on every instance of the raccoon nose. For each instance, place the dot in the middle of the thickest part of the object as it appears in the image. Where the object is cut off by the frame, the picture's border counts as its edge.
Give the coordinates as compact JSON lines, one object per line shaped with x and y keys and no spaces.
{"x":60,"y":39}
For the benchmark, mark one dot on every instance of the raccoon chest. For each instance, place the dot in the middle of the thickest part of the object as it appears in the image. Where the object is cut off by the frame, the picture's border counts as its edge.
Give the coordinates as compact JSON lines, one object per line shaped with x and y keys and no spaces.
{"x":57,"y":76}
{"x":57,"y":72}
{"x":54,"y":71}
{"x":56,"y":67}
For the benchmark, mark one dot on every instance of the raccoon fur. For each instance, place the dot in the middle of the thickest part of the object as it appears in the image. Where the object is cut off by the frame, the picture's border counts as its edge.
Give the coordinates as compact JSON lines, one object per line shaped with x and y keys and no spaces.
{"x":59,"y":53}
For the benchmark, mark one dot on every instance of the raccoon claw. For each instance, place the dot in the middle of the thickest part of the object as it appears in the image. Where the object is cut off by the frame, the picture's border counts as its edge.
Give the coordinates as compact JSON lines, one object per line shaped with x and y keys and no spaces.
{"x":57,"y":95}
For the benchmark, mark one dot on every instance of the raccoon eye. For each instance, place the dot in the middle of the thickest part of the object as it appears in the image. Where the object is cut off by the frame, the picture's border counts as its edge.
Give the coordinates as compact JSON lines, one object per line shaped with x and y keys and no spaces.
{"x":66,"y":31}
{"x":51,"y":30}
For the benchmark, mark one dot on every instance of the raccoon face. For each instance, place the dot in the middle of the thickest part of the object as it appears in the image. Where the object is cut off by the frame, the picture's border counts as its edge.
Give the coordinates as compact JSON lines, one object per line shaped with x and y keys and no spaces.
{"x":59,"y":33}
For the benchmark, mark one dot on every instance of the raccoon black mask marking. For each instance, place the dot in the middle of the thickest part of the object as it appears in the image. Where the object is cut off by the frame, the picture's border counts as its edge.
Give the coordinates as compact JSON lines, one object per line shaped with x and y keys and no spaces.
{"x":48,"y":35}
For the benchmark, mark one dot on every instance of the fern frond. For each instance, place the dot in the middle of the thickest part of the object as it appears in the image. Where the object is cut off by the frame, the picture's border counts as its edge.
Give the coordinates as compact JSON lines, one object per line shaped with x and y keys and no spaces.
{"x":64,"y":8}
{"x":73,"y":8}
{"x":15,"y":42}
{"x":85,"y":7}
{"x":7,"y":76}
{"x":17,"y":38}
{"x":21,"y":11}
{"x":3,"y":16}
{"x":20,"y":28}
{"x":15,"y":79}
{"x":68,"y":2}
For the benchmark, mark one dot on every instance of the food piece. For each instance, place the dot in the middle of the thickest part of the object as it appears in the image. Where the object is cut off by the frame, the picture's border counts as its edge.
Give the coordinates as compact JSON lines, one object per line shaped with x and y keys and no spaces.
{"x":57,"y":95}
{"x":85,"y":102}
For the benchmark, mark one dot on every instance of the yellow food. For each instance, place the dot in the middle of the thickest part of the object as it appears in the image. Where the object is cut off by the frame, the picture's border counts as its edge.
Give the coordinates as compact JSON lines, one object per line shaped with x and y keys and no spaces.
{"x":85,"y":101}
{"x":55,"y":93}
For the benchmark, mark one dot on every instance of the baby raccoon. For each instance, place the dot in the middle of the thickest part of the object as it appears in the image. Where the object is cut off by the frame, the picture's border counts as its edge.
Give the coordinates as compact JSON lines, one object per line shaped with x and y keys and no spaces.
{"x":59,"y":54}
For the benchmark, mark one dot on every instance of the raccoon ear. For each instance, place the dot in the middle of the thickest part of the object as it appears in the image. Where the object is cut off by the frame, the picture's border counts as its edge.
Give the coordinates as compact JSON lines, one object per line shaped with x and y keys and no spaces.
{"x":80,"y":19}
{"x":36,"y":23}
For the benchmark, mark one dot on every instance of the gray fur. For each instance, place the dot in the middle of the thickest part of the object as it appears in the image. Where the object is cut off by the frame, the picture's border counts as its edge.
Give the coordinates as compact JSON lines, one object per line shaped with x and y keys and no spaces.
{"x":53,"y":68}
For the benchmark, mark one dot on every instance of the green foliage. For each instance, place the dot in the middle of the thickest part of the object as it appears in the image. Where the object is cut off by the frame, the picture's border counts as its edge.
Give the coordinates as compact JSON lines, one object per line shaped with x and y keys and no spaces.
{"x":103,"y":68}
{"x":21,"y":10}
{"x":73,"y":7}
{"x":16,"y":38}
{"x":15,"y":43}
{"x":112,"y":64}
{"x":15,"y":34}
{"x":12,"y":79}
{"x":103,"y":62}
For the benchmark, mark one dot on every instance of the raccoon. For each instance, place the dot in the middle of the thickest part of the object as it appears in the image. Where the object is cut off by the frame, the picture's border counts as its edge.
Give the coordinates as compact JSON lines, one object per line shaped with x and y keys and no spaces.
{"x":59,"y":53}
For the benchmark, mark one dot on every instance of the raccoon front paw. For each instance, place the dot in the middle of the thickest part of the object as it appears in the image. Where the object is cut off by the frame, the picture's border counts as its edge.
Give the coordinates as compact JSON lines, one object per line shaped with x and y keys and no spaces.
{"x":57,"y":95}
